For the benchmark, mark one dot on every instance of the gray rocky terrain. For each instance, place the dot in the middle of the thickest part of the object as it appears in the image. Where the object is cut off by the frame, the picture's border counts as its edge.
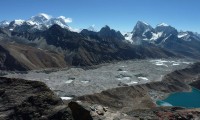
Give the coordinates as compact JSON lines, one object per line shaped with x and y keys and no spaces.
{"x":137,"y":102}
{"x":78,"y":81}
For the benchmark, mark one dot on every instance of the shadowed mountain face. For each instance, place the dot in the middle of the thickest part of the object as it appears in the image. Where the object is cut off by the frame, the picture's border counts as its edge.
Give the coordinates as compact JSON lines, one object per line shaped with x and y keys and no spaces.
{"x":59,"y":47}
{"x":99,"y":48}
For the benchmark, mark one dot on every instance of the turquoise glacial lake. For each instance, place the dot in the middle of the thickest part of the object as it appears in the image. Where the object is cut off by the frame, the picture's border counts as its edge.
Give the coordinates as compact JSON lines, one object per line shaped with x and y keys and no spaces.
{"x":182,"y":99}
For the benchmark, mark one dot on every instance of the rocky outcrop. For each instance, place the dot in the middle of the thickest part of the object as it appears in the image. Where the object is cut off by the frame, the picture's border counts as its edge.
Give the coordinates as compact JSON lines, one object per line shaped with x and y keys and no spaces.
{"x":99,"y":112}
{"x":79,"y":112}
{"x":106,"y":33}
{"x":30,"y":100}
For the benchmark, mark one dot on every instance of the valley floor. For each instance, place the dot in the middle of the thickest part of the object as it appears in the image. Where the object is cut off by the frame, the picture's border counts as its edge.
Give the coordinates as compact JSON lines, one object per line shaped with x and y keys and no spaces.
{"x":68,"y":83}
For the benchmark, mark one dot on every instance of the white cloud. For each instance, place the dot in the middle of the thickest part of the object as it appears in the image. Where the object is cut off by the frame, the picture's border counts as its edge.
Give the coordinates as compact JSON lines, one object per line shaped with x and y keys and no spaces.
{"x":75,"y":29}
{"x":67,"y":20}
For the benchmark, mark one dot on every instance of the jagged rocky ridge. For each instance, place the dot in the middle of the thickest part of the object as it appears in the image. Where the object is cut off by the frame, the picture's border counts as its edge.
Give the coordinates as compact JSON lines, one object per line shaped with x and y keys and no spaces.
{"x":54,"y":36}
{"x":79,"y":49}
{"x":165,"y":36}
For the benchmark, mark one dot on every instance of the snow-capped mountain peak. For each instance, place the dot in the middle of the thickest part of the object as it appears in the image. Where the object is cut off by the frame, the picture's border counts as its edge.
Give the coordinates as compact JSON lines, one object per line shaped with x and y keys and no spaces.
{"x":17,"y":22}
{"x":141,"y":29}
{"x":163,"y":24}
{"x":4,"y":23}
{"x":29,"y":22}
{"x":47,"y":20}
{"x":92,"y":28}
{"x":45,"y":15}
{"x":39,"y":19}
{"x":166,"y":29}
{"x":145,"y":32}
{"x":142,"y":23}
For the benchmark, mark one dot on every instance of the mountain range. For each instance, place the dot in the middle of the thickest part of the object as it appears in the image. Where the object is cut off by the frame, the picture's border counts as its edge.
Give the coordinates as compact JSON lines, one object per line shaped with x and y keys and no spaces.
{"x":45,"y":42}
{"x":39,"y":22}
{"x":167,"y":37}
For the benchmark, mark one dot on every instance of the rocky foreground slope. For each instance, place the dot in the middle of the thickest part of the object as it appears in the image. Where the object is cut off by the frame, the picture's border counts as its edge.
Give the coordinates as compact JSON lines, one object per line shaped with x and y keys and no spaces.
{"x":30,"y":100}
{"x":134,"y":102}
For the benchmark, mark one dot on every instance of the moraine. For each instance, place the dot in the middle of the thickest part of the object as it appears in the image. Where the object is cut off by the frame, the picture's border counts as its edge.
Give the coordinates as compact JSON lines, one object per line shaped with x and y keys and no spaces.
{"x":78,"y":81}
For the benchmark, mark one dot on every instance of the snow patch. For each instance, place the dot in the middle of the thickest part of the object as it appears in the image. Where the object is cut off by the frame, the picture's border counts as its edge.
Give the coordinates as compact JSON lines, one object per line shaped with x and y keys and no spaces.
{"x":132,"y":82}
{"x":30,"y":22}
{"x":182,"y":35}
{"x":128,"y":37}
{"x":69,"y":81}
{"x":85,"y":81}
{"x":123,"y":71}
{"x":124,"y":78}
{"x":4,"y":23}
{"x":66,"y":98}
{"x":161,"y":64}
{"x":163,"y":103}
{"x":143,"y":78}
{"x":156,"y":35}
{"x":18,"y":22}
{"x":167,"y":38}
{"x":145,"y":23}
{"x":175,"y":64}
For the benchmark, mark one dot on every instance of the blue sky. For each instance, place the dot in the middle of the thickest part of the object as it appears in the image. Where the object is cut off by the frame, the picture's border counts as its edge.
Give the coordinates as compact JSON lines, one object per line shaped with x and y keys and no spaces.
{"x":118,"y":14}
